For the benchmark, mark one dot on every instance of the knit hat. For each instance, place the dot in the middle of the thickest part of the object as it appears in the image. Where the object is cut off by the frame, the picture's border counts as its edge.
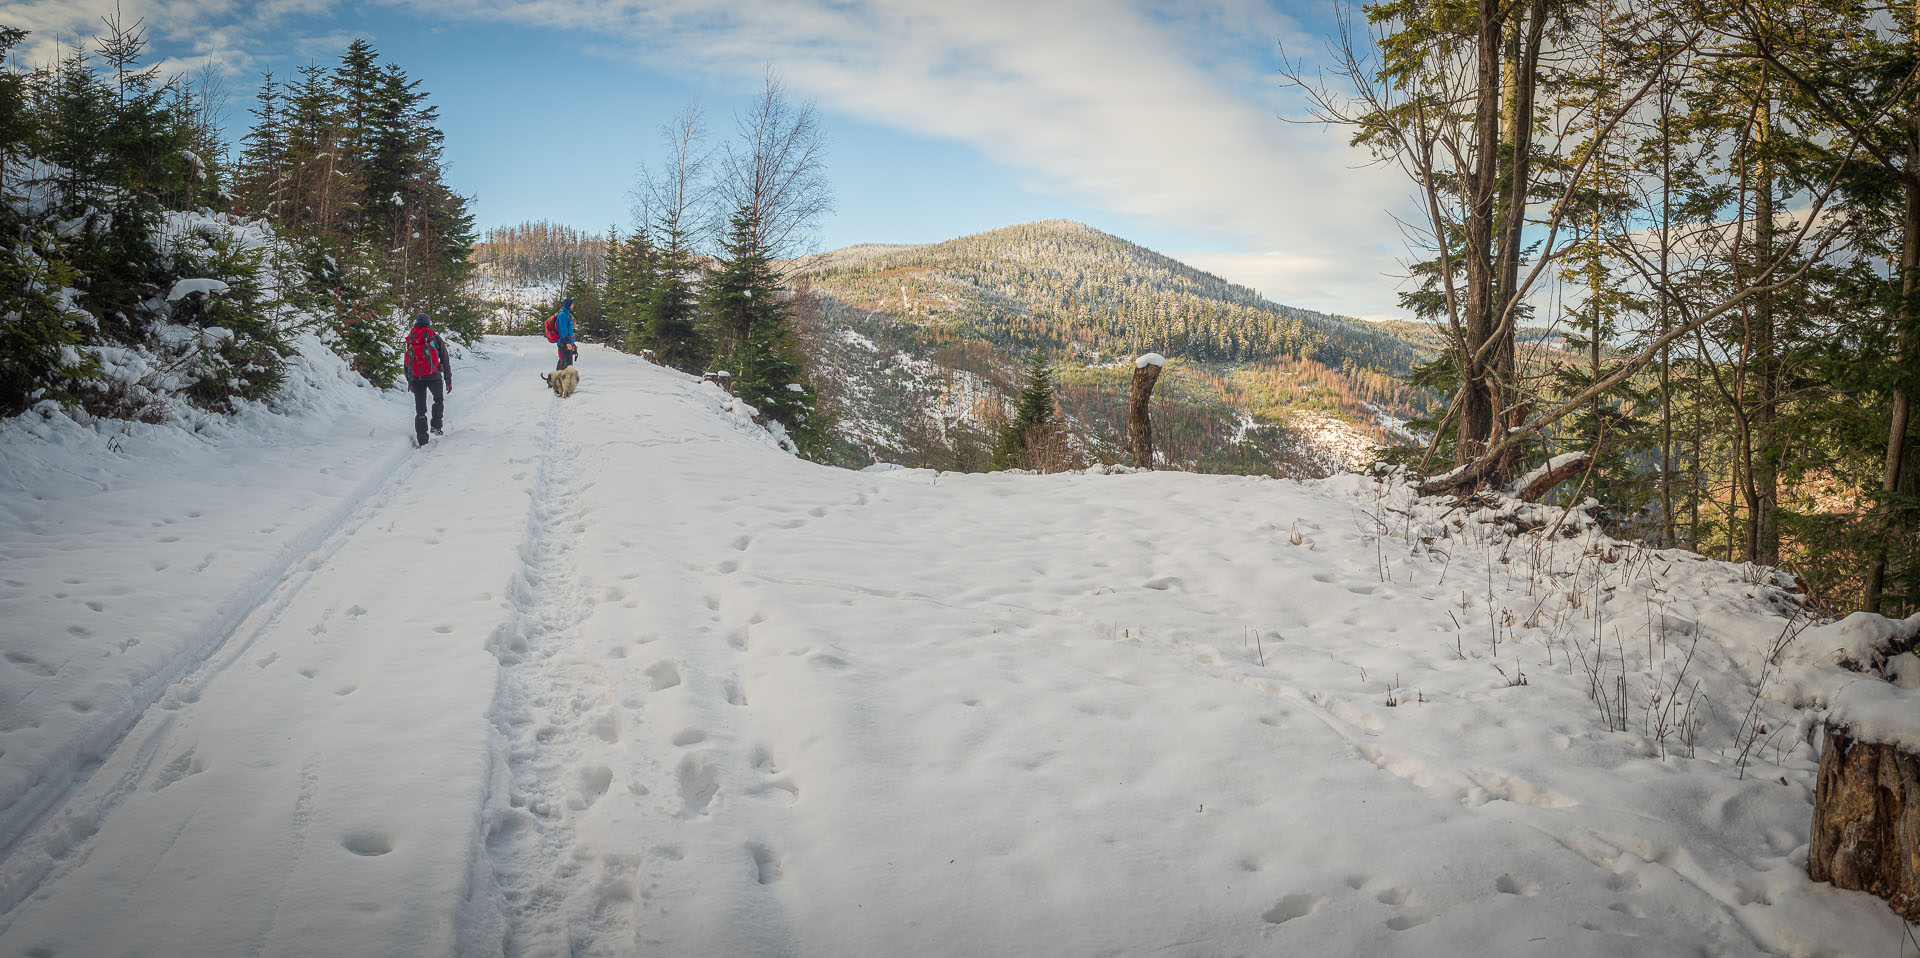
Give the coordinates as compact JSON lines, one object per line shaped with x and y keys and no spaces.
{"x":567,"y":303}
{"x":420,"y":319}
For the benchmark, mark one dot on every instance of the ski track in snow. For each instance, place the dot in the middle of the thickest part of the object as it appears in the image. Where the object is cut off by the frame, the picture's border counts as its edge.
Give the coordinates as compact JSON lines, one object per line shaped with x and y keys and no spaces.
{"x":610,"y":676}
{"x":257,"y":609}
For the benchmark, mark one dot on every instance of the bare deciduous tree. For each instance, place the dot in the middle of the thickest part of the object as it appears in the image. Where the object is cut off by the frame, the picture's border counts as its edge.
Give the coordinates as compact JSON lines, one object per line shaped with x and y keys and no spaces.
{"x":673,"y":201}
{"x":775,"y":170}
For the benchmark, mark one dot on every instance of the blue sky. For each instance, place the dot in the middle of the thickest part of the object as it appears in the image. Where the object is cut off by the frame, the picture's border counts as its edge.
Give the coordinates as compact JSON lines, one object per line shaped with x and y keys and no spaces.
{"x":1153,"y":121}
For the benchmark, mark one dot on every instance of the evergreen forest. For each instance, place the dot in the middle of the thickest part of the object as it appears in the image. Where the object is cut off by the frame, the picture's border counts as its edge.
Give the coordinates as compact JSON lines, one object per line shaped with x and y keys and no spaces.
{"x":150,"y":261}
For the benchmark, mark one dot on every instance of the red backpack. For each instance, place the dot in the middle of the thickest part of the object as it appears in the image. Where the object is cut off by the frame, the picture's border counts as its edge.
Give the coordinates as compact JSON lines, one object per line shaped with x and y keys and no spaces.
{"x":553,"y":328}
{"x":423,"y":359}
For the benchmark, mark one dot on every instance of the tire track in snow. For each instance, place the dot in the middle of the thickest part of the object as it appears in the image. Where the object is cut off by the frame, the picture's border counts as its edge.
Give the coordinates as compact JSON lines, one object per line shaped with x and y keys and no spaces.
{"x":45,"y":830}
{"x":554,"y":713}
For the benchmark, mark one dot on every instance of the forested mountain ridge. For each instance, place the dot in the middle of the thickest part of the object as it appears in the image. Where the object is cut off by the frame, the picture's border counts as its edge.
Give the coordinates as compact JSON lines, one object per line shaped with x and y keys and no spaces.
{"x":923,"y":343}
{"x":1061,"y":284}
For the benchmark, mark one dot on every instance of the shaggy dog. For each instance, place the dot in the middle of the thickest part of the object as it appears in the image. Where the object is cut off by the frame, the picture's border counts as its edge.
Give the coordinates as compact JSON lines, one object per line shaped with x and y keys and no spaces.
{"x":563,"y":382}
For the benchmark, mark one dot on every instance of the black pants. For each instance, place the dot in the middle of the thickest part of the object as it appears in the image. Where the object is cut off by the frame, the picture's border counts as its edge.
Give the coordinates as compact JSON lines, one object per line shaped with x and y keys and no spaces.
{"x":420,"y":389}
{"x":566,"y":358}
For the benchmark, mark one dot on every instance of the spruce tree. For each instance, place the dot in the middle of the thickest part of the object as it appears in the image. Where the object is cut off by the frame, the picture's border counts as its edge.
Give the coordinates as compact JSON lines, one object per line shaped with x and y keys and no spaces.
{"x":1033,"y":422}
{"x":260,"y":175}
{"x":757,"y":344}
{"x":632,"y":269}
{"x":668,"y":326}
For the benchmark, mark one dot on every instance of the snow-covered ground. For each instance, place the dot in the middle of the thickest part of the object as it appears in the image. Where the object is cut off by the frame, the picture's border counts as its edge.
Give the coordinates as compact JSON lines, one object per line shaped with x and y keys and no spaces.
{"x":613,"y":675}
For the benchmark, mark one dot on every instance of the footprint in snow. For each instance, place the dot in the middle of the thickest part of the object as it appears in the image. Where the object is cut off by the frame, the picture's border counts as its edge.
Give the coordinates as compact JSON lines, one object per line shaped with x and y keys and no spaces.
{"x":766,"y":866}
{"x":1291,"y":907}
{"x":699,"y":783}
{"x":1394,"y":896}
{"x":664,"y":675}
{"x":31,"y":664}
{"x":367,"y":843}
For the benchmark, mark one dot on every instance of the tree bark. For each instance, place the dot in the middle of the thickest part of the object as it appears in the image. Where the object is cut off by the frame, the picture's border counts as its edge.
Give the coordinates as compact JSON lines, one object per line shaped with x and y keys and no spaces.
{"x":1866,"y":821}
{"x":1139,"y":426}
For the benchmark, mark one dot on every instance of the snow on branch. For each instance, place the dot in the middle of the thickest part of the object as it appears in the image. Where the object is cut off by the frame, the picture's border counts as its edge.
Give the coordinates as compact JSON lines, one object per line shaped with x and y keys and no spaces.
{"x":188,"y":287}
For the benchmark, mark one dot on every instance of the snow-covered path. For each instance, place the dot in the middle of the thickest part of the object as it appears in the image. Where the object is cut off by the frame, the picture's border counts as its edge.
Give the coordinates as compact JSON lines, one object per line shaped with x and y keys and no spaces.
{"x":612,"y":675}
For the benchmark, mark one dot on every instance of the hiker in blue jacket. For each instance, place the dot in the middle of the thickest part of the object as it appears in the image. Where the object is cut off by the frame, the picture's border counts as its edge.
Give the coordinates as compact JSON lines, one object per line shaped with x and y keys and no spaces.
{"x":427,"y":371}
{"x":563,"y":327}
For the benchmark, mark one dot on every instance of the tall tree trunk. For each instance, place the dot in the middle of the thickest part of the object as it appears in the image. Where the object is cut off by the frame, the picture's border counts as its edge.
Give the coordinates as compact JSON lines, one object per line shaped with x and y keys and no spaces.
{"x":1763,"y":456}
{"x":1908,"y":315}
{"x":1479,"y":402}
{"x":1696,"y":481}
{"x":1666,"y":355}
{"x":1523,"y":57}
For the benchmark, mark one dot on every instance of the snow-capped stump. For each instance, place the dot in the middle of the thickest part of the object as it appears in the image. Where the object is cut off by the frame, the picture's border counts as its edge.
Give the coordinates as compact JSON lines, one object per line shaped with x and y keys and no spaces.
{"x":1146,"y":372}
{"x":1866,"y":801}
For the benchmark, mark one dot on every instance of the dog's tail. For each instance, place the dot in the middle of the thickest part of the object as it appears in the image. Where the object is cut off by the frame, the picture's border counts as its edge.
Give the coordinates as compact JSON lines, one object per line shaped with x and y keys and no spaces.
{"x":547,"y":376}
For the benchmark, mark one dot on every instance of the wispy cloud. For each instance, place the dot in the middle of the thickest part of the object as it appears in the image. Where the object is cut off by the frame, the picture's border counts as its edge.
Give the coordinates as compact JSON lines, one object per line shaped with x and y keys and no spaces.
{"x":234,"y":36}
{"x":1164,"y":113}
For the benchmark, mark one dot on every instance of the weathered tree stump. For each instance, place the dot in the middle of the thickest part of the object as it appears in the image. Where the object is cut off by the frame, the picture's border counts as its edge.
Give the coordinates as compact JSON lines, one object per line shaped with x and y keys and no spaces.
{"x":1146,"y":372}
{"x":1535,"y":485}
{"x":1866,"y":821}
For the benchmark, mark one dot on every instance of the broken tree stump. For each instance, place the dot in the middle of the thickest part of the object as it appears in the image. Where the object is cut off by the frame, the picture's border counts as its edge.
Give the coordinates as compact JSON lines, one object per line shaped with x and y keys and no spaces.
{"x":1146,"y":372}
{"x":1535,"y":485}
{"x":1866,"y":821}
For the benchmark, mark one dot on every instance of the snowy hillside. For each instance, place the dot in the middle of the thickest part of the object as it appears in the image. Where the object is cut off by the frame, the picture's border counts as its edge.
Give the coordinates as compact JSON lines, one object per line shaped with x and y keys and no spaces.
{"x":614,"y":675}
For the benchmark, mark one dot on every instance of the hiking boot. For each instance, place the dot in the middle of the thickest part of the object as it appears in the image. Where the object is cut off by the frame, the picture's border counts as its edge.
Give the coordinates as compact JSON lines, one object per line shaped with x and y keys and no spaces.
{"x":438,"y":431}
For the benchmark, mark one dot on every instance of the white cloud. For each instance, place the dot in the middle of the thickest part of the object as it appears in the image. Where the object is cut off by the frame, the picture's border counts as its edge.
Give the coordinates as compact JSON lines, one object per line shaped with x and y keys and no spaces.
{"x":1319,"y":281}
{"x":1161,"y":114}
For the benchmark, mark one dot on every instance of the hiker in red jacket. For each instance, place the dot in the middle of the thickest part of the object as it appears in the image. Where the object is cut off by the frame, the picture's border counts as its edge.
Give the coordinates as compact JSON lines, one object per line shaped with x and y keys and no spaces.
{"x":427,"y":371}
